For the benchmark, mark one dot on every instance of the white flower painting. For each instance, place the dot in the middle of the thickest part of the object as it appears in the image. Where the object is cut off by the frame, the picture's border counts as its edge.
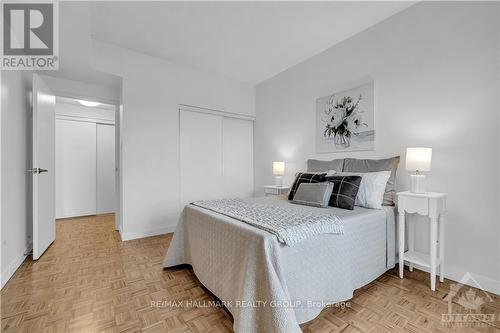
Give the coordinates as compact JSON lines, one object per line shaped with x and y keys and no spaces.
{"x":345,"y":121}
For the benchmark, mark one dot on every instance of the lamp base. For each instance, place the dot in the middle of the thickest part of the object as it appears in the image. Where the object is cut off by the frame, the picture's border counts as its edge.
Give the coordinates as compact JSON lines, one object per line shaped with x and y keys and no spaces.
{"x":417,"y":184}
{"x":278,"y":181}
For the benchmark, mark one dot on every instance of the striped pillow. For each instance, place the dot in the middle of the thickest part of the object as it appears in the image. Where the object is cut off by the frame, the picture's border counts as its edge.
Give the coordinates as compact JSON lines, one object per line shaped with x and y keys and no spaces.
{"x":305,"y":177}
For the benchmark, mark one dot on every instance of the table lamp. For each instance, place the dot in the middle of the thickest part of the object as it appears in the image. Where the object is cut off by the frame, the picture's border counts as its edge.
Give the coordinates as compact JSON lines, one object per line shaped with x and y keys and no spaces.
{"x":418,"y":159}
{"x":278,"y":172}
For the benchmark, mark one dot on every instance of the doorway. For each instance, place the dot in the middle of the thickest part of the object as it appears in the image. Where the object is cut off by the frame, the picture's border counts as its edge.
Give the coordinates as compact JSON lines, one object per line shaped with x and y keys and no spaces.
{"x":85,"y":158}
{"x":87,"y":170}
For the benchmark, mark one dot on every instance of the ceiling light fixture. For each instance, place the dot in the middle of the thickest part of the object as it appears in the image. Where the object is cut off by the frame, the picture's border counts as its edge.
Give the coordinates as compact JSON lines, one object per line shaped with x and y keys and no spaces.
{"x":88,"y":103}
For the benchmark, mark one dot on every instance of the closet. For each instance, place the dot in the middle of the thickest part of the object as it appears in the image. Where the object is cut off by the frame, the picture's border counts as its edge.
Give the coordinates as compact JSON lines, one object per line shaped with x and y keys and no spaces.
{"x":85,"y":163}
{"x":216,"y":155}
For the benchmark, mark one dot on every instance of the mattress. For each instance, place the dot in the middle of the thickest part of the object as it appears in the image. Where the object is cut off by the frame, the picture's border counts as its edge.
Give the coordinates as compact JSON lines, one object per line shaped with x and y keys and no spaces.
{"x":270,"y":287}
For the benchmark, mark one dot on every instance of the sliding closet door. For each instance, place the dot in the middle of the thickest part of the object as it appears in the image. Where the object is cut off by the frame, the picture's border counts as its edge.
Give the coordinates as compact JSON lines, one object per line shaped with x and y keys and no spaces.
{"x":200,"y":156}
{"x":105,"y":168}
{"x":238,"y":157}
{"x":75,"y":168}
{"x":216,"y":156}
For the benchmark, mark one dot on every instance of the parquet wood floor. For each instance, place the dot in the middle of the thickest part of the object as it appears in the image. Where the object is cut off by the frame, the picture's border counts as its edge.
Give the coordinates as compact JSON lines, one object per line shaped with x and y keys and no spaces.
{"x":89,"y":281}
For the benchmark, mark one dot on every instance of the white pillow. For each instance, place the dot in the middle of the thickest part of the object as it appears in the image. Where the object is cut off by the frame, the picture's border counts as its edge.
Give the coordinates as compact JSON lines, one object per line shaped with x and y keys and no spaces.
{"x":331,"y":173}
{"x":371,"y":189}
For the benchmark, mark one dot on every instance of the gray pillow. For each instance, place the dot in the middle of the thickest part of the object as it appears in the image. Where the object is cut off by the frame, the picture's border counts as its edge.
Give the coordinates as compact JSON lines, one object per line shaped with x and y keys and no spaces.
{"x":322,"y":166}
{"x":388,"y":164}
{"x":313,"y":194}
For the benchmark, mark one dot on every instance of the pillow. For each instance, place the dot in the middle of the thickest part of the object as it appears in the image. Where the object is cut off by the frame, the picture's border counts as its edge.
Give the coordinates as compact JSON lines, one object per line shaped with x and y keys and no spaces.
{"x":345,"y":190}
{"x":388,"y":164}
{"x":313,"y":194}
{"x":326,"y":172}
{"x":322,"y":166}
{"x":371,"y":189}
{"x":305,"y":177}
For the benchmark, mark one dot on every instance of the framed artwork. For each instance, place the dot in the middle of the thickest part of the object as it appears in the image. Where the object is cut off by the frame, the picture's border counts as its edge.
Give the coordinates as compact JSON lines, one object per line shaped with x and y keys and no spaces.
{"x":345,"y":120}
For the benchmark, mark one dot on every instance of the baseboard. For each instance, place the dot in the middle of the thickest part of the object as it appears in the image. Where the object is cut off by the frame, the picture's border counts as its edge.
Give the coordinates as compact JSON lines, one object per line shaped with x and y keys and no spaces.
{"x":129,"y":235}
{"x":468,"y":278}
{"x":14,"y":265}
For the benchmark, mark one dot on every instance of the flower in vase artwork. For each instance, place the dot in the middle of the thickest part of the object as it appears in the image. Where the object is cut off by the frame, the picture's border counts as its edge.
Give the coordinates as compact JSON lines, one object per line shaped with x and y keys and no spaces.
{"x":345,"y":120}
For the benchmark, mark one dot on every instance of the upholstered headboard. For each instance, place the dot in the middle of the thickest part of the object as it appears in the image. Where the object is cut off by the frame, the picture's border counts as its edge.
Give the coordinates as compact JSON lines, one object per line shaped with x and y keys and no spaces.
{"x":362,"y":165}
{"x":318,"y":165}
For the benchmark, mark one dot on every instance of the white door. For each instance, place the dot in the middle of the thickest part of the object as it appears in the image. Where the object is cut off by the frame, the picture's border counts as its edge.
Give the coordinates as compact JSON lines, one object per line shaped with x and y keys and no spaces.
{"x":216,"y":154}
{"x":44,"y":227}
{"x":238,"y":157}
{"x":105,"y":168}
{"x":75,"y":168}
{"x":200,"y":156}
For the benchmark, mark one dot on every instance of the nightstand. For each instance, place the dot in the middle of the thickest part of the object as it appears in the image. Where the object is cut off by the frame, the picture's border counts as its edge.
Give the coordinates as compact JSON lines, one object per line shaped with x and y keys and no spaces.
{"x":429,"y":204}
{"x":276,"y":190}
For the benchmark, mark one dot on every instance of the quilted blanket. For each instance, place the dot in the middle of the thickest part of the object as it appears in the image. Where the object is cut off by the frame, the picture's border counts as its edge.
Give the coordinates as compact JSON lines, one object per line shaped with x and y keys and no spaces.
{"x":289,"y":225}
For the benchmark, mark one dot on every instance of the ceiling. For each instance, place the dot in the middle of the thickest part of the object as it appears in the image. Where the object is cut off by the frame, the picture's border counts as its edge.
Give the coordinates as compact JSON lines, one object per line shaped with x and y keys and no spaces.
{"x":247,"y":41}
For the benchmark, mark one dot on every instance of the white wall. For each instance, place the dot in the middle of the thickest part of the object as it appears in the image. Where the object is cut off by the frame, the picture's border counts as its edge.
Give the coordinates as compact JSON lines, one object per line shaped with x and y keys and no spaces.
{"x":75,"y":49}
{"x":16,"y":228}
{"x":152,"y":90}
{"x":435,"y":68}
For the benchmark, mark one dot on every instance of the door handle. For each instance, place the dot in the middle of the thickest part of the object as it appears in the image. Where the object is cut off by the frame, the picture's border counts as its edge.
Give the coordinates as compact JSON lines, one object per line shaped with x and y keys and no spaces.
{"x":37,"y":170}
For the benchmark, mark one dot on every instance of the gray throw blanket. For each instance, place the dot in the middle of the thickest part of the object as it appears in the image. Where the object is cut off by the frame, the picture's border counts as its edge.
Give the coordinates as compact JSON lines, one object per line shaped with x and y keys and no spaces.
{"x":290,"y":225}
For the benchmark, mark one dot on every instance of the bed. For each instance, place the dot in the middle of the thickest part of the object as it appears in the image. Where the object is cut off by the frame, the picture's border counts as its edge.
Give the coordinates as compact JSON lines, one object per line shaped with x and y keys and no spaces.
{"x":271,"y":287}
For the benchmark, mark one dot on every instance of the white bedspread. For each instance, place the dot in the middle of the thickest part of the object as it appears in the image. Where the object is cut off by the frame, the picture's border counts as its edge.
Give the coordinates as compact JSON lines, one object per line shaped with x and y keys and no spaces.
{"x":270,"y":287}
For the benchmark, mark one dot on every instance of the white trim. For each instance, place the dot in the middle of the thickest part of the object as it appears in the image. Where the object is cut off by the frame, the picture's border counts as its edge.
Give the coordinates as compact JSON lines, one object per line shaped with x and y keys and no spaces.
{"x":76,"y":102}
{"x":77,"y":95}
{"x":119,"y":229}
{"x":456,"y":275}
{"x":14,"y":265}
{"x":183,"y":107}
{"x":125,"y":236}
{"x":66,"y":94}
{"x":85,"y":119}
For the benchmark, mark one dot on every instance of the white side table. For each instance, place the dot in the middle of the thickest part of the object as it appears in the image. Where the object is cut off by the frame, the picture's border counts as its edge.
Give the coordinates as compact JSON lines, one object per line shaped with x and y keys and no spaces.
{"x":276,"y":190}
{"x":430,"y":204}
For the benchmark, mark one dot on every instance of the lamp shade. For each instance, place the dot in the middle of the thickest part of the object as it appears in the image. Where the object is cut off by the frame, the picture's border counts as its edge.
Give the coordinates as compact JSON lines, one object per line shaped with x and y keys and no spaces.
{"x":278,"y":168}
{"x":418,"y":159}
